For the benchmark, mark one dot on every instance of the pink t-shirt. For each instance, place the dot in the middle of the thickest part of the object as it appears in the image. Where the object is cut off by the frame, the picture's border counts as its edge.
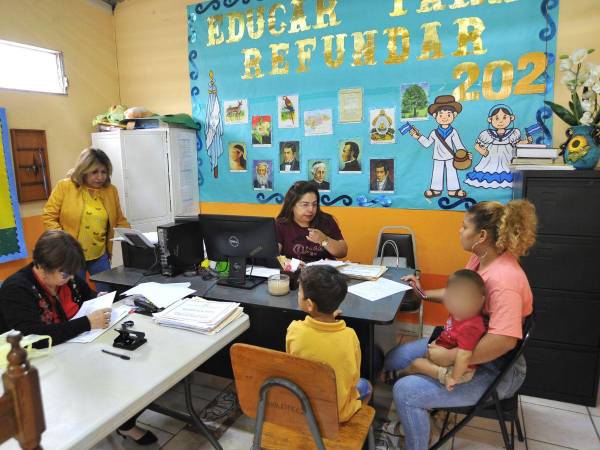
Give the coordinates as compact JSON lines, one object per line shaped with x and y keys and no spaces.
{"x":509,"y":298}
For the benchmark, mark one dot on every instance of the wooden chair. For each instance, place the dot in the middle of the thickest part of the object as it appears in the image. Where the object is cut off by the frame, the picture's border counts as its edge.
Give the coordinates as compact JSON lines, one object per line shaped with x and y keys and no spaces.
{"x":294,"y":402}
{"x":21,"y":412}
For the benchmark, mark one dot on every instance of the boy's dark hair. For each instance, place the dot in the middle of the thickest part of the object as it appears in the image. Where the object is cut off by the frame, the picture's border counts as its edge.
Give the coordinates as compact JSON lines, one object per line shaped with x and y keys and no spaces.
{"x":470,"y":276}
{"x":57,"y":250}
{"x":325,"y":286}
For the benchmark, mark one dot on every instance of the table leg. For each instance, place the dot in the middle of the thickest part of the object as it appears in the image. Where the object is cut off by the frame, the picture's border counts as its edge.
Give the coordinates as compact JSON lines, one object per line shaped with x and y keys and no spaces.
{"x":371,"y":356}
{"x":195,"y":417}
{"x":192,"y":417}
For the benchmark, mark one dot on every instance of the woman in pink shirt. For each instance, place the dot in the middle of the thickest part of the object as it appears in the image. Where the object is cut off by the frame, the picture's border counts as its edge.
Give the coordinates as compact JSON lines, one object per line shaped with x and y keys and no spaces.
{"x":496,"y":235}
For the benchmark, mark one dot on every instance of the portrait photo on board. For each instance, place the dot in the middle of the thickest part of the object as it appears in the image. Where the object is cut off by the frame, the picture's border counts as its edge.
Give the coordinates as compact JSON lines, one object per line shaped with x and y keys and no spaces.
{"x":350,"y":155}
{"x":289,"y":157}
{"x":381,"y":175}
{"x":318,"y":171}
{"x":262,"y":175}
{"x":237,"y":156}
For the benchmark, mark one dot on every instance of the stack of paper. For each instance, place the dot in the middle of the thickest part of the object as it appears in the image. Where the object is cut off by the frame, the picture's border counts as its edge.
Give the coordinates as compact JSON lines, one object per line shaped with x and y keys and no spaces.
{"x":327,"y":262}
{"x":199,"y":315}
{"x":88,"y":307}
{"x":363,"y":271}
{"x":162,"y":294}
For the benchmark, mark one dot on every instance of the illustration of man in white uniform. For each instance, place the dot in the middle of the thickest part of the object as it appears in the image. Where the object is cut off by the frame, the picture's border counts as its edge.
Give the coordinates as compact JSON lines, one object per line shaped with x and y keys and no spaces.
{"x":446,"y":142}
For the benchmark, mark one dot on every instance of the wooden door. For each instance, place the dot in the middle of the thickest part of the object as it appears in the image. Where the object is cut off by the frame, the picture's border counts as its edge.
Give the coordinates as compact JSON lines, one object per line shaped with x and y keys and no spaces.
{"x":30,"y":156}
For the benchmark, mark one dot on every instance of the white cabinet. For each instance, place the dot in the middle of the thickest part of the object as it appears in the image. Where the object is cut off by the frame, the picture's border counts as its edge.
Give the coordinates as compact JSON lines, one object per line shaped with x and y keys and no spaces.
{"x":155,"y":172}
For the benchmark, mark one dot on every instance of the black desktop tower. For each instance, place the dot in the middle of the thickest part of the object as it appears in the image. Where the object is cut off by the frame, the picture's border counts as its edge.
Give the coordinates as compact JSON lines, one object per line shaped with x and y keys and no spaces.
{"x":181,"y":247}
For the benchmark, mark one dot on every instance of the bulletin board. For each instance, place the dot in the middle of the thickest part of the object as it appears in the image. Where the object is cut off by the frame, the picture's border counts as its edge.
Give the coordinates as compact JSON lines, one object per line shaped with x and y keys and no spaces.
{"x":339,"y":91}
{"x":12,"y":244}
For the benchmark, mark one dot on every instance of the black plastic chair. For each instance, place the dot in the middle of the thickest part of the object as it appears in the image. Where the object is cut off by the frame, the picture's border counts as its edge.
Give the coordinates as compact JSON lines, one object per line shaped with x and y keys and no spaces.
{"x":489,"y":405}
{"x":398,"y":249}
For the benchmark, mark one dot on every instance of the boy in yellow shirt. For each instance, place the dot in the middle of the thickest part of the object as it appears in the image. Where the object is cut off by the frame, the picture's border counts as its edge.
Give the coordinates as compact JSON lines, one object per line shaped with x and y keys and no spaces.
{"x":322,"y":338}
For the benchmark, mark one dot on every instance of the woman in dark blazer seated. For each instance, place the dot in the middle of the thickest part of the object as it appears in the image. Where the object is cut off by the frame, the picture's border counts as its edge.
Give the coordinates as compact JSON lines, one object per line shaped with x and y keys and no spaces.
{"x":42,"y":297}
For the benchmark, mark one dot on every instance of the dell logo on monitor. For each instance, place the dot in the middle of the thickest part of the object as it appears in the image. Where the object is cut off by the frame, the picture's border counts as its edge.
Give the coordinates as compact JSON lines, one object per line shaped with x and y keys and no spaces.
{"x":234,"y":241}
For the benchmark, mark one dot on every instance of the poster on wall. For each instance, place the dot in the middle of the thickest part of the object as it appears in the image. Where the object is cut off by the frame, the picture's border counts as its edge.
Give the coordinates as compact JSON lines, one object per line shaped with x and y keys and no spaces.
{"x":288,"y":110}
{"x":409,"y":82}
{"x":12,"y":244}
{"x":236,"y":111}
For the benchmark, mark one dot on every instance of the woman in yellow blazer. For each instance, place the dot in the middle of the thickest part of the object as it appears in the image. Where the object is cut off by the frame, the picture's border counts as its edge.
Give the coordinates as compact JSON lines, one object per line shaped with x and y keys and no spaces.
{"x":86,"y":205}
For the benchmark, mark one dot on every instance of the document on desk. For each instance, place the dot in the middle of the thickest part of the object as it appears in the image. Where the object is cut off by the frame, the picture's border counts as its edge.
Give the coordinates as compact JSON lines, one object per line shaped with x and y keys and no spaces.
{"x":94,"y":304}
{"x":376,"y":290}
{"x":263,"y":272}
{"x":117,"y":315}
{"x":327,"y":262}
{"x":162,"y":295}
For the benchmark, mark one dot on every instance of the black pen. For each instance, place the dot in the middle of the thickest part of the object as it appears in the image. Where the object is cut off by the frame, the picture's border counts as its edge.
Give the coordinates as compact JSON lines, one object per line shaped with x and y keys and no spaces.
{"x":118,"y":355}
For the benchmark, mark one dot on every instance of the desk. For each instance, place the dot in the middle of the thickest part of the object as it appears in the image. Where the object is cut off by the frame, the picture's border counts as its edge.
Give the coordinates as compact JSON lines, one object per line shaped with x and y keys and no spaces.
{"x":277,"y":312}
{"x":88,"y":394}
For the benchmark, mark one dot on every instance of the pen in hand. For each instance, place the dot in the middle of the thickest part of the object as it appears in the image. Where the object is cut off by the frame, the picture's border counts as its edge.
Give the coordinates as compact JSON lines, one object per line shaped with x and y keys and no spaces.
{"x":416,"y":288}
{"x":118,"y":355}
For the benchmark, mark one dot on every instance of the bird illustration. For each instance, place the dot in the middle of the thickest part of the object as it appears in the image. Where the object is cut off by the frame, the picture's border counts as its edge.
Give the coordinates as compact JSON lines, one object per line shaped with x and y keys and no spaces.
{"x":289,"y":107}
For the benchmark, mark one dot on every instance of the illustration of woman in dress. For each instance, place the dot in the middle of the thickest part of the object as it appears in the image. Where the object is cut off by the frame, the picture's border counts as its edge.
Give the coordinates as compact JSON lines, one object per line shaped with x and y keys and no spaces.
{"x":497,"y":146}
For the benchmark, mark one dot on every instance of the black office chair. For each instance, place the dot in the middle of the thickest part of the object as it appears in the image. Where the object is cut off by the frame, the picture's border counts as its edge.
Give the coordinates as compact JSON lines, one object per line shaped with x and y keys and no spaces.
{"x":489,"y":405}
{"x":395,"y":249}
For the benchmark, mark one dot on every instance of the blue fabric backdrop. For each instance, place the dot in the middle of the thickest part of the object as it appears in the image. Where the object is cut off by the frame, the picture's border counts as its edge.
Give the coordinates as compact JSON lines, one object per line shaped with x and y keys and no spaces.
{"x":516,"y":34}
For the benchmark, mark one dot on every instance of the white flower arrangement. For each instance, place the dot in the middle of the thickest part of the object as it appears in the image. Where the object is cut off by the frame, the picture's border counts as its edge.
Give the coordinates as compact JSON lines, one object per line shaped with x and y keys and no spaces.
{"x":582,"y":78}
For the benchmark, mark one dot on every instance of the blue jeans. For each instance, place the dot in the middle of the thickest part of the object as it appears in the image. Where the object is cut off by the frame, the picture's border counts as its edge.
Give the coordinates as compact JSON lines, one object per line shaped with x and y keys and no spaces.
{"x":416,"y":395}
{"x":364,"y":388}
{"x":95,"y":266}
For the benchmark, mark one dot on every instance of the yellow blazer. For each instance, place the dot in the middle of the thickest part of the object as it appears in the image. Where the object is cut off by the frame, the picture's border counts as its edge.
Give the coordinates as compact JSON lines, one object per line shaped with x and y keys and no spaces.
{"x":64,"y":209}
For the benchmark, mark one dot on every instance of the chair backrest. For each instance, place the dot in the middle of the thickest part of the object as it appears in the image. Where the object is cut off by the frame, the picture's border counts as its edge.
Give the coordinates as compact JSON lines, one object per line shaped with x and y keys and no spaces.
{"x":252,"y":366}
{"x":21,"y":412}
{"x":511,"y":357}
{"x":405,"y":242}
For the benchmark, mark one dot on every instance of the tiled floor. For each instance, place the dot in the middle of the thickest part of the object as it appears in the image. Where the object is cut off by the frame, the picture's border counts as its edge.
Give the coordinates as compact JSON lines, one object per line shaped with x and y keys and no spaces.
{"x":547,"y":424}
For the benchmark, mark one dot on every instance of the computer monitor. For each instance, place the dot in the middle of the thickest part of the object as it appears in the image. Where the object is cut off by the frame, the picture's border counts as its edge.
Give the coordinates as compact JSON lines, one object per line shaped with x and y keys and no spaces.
{"x":236,"y":238}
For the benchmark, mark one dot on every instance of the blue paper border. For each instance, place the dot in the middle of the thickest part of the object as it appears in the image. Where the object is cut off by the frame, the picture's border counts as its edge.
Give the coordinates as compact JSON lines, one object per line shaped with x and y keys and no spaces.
{"x":12,"y":187}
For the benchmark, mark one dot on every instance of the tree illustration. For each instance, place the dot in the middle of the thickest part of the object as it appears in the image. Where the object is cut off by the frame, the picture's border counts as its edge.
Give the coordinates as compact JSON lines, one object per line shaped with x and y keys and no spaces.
{"x":414,"y":99}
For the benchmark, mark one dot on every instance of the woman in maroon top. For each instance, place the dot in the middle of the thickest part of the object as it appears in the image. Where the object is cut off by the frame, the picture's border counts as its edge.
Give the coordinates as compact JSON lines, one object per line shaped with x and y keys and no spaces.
{"x":303,"y":230}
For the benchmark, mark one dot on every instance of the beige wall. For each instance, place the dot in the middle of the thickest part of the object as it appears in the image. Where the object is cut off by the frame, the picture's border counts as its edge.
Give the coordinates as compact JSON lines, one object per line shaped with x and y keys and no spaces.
{"x":578,"y":27}
{"x":84,"y":31}
{"x":152,"y":51}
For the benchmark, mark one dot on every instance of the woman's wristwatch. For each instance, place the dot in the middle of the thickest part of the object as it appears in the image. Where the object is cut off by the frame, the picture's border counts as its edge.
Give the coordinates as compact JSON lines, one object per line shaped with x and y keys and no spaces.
{"x":325,"y":243}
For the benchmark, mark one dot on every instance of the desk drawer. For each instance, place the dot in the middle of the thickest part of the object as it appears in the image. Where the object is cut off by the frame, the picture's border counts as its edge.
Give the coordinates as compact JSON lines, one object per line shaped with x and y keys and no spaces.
{"x":564,"y":263}
{"x":567,"y":317}
{"x":562,"y":373}
{"x":566,"y":206}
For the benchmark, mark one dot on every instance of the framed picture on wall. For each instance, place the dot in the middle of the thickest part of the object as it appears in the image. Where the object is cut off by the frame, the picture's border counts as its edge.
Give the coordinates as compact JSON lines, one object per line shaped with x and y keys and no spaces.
{"x":262,"y":131}
{"x":289,"y":157}
{"x":319,"y":172}
{"x":238,"y":157}
{"x":262,"y":175}
{"x":381,"y":179}
{"x":350,"y":156}
{"x":288,"y":111}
